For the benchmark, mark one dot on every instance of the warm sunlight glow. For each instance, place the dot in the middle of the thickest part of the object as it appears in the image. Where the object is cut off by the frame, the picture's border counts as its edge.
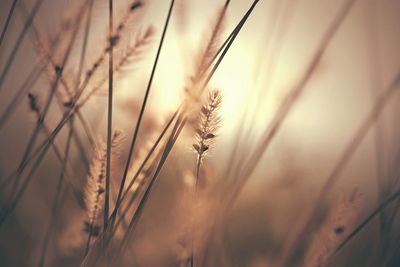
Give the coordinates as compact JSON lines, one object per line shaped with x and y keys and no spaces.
{"x":289,"y":158}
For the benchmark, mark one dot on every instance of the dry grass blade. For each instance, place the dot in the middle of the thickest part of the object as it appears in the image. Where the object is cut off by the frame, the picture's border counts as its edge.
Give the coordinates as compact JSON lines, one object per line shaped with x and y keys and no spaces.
{"x":209,"y":122}
{"x":49,"y":64}
{"x":138,"y":213}
{"x":73,"y":107}
{"x":109,"y":111}
{"x":340,"y":219}
{"x":7,"y":23}
{"x":210,"y":177}
{"x":274,"y":51}
{"x":18,"y":43}
{"x":143,"y":107}
{"x":140,"y":170}
{"x":57,"y":201}
{"x":286,"y":106}
{"x":365,"y":222}
{"x":118,"y":220}
{"x":229,"y":41}
{"x":12,"y":203}
{"x":343,"y":160}
{"x":130,"y":56}
{"x":95,"y":188}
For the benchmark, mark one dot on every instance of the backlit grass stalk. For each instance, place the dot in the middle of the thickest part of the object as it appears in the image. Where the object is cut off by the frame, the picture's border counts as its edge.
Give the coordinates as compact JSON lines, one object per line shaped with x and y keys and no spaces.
{"x":57,"y":201}
{"x":7,"y":23}
{"x":49,"y":63}
{"x":12,"y":202}
{"x":224,"y":49}
{"x":44,"y":55}
{"x":118,"y":220}
{"x":131,"y":55}
{"x":340,"y":219}
{"x":139,"y":211}
{"x":110,"y":108}
{"x":361,"y":226}
{"x":142,"y":110}
{"x":179,"y":124}
{"x":139,"y":172}
{"x":19,"y":41}
{"x":286,"y":106}
{"x":346,"y":155}
{"x":95,"y":188}
{"x":274,"y":50}
{"x":35,"y":108}
{"x":242,"y":177}
{"x":209,"y":122}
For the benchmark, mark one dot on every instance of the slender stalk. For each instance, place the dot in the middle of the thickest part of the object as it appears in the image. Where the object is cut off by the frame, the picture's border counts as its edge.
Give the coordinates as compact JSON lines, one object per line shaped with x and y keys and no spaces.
{"x":133,"y":180}
{"x":348,"y":152}
{"x":291,"y":99}
{"x":274,"y":51}
{"x":19,"y":41}
{"x":50,"y":61}
{"x":9,"y":16}
{"x":35,"y":133}
{"x":365,"y":223}
{"x":57,"y":197}
{"x":140,"y":169}
{"x":230,"y":42}
{"x":109,"y":117}
{"x":26,"y":85}
{"x":133,"y":222}
{"x":57,"y":151}
{"x":181,"y":121}
{"x":43,"y":148}
{"x":75,"y":108}
{"x":111,"y":230}
{"x":34,"y":75}
{"x":78,"y":79}
{"x":143,"y":107}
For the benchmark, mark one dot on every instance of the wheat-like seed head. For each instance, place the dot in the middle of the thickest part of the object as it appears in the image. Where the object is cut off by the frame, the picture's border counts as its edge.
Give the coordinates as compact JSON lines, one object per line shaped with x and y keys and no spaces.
{"x":115,"y":39}
{"x":131,"y":55}
{"x":210,"y":49}
{"x":96,"y":180}
{"x":208,"y":125}
{"x":195,"y":85}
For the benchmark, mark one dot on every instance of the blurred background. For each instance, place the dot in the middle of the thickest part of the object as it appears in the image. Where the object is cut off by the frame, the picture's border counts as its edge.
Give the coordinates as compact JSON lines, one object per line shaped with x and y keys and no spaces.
{"x":267,"y":60}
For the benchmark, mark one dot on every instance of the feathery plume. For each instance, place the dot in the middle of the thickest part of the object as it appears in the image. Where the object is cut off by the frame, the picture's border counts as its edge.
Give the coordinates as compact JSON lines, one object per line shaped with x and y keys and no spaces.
{"x":135,"y":51}
{"x":130,"y":56}
{"x":114,"y":40}
{"x":208,"y":124}
{"x":205,"y":134}
{"x":95,"y":186}
{"x":204,"y":59}
{"x":195,"y":88}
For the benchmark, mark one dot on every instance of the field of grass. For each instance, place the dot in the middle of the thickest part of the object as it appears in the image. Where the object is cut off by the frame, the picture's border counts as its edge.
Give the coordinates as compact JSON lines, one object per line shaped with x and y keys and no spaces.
{"x":191,"y":133}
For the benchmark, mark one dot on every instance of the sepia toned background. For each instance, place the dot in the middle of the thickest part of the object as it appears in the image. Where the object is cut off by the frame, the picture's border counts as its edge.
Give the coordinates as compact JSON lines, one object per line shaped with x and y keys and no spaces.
{"x":266,"y":61}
